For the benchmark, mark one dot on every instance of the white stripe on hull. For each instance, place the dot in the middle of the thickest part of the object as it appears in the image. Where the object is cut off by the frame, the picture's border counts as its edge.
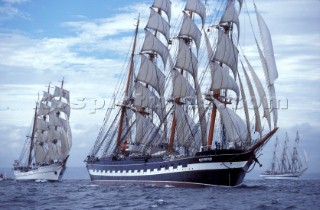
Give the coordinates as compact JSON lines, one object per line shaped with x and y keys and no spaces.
{"x":190,"y":167}
{"x":50,"y":173}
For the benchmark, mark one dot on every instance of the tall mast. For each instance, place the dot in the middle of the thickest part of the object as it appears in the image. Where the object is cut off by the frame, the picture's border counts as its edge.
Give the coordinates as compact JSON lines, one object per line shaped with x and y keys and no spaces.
{"x":32,"y":135}
{"x":123,"y":106}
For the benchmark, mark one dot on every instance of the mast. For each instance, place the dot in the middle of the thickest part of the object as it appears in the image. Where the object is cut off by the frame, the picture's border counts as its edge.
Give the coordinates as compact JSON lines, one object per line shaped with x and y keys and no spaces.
{"x":123,"y":106}
{"x":32,"y":135}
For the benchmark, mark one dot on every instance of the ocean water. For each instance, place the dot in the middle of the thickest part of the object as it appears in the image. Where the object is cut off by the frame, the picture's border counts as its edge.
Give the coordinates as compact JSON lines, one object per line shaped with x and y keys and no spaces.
{"x":84,"y":194}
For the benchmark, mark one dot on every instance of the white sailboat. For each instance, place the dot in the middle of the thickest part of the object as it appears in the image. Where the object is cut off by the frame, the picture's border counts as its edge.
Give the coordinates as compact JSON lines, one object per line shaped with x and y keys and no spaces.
{"x":288,"y":164}
{"x":46,"y":150}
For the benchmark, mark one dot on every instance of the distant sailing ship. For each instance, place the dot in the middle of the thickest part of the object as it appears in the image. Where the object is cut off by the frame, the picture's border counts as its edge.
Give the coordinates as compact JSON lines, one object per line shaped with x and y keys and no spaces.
{"x":290,"y":165}
{"x":163,"y":131}
{"x":46,"y":151}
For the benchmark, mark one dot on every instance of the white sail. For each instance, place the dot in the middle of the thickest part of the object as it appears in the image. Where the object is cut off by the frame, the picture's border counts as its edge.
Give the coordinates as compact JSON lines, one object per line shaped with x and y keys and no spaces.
{"x":60,"y":92}
{"x":246,"y":109}
{"x":60,"y":106}
{"x":46,"y":96}
{"x":145,"y":130}
{"x":261,"y":92}
{"x":267,"y":48}
{"x":144,"y":98}
{"x":190,"y":29}
{"x":185,"y":127}
{"x":153,"y":44}
{"x":56,"y":121}
{"x":151,"y":74}
{"x":40,"y":153}
{"x":220,"y":79}
{"x":181,"y":87}
{"x":258,"y":126}
{"x":226,"y":52}
{"x":186,"y":59}
{"x":236,"y":130}
{"x":164,"y":5}
{"x":231,"y":15}
{"x":42,"y":124}
{"x":158,"y":23}
{"x":43,"y":109}
{"x":198,"y":7}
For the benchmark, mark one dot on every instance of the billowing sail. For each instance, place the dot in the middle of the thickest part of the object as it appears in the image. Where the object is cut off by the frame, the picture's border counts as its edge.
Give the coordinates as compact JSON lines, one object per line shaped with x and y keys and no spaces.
{"x":186,"y":59}
{"x":190,"y":29}
{"x":151,"y":74}
{"x":261,"y":92}
{"x":236,"y":130}
{"x":153,"y":44}
{"x":164,"y":5}
{"x":198,"y":7}
{"x":267,"y":48}
{"x":226,"y":52}
{"x":181,"y":87}
{"x":220,"y":79}
{"x":231,"y":15}
{"x":158,"y":23}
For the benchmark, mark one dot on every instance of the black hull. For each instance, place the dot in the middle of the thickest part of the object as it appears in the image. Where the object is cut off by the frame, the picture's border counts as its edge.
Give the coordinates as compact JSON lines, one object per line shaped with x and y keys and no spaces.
{"x":208,"y":168}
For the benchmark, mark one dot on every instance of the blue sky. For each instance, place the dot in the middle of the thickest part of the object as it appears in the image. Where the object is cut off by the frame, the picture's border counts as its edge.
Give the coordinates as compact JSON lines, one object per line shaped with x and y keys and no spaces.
{"x":86,"y":42}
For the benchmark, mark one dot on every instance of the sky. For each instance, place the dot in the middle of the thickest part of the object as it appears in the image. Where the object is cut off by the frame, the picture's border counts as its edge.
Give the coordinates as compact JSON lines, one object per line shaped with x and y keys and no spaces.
{"x":86,"y":43}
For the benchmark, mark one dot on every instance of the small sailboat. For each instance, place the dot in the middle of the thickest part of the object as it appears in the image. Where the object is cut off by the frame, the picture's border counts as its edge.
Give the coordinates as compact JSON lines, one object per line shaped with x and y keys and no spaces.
{"x":175,"y":125}
{"x":46,"y":151}
{"x":289,"y":164}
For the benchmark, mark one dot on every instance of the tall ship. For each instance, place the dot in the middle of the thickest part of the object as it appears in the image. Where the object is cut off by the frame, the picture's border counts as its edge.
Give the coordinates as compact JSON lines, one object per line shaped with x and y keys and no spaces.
{"x":46,"y":150}
{"x":184,"y":117}
{"x":288,"y":164}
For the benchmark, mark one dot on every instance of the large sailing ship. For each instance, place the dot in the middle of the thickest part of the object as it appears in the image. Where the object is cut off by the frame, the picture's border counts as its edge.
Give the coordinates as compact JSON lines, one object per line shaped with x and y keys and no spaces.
{"x":289,"y":164}
{"x":179,"y":120}
{"x":46,"y":151}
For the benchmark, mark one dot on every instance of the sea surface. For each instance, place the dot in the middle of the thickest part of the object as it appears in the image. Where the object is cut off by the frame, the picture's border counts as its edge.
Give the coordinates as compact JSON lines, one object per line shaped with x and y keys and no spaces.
{"x":74,"y":193}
